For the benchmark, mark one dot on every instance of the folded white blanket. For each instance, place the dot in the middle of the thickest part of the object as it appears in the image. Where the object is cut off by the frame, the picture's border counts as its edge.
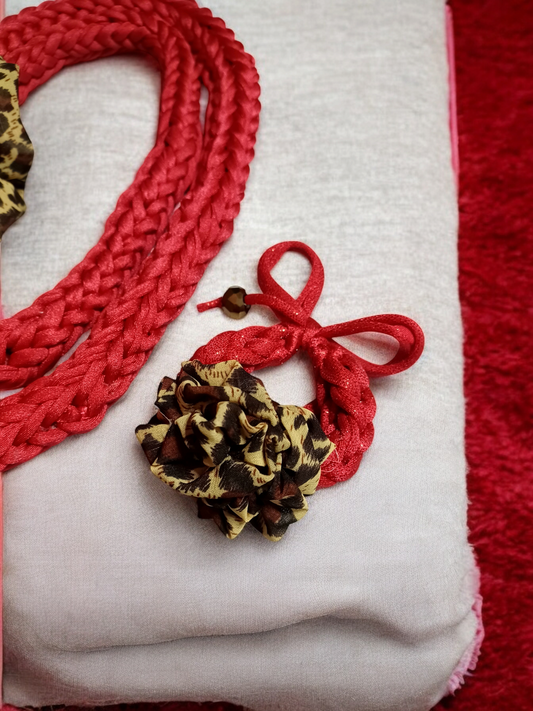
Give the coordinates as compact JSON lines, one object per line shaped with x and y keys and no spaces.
{"x":114,"y":590}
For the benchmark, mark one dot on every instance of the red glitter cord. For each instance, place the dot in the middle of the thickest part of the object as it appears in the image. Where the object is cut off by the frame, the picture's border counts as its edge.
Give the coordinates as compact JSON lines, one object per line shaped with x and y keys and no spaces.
{"x":344,"y":403}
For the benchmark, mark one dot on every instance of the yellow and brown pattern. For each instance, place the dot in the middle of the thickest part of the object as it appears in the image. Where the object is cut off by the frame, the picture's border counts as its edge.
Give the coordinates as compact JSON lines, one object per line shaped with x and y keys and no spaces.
{"x":16,"y":150}
{"x":220,"y":438}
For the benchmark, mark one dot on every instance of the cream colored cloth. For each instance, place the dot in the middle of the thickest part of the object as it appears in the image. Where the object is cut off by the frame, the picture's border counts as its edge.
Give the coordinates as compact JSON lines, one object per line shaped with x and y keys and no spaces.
{"x":114,"y":590}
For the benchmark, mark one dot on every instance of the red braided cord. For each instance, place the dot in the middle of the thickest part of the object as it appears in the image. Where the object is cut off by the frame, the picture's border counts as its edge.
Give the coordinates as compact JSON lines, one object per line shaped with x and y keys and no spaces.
{"x":344,"y":403}
{"x":145,"y":267}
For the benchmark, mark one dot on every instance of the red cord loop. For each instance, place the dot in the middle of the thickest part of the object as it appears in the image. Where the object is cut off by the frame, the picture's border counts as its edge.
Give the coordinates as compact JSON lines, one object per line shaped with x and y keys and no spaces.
{"x":344,"y":403}
{"x":165,"y":229}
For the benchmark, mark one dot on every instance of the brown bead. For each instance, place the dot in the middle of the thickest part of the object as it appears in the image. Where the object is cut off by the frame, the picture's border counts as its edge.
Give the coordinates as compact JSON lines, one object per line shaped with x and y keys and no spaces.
{"x":233,"y":304}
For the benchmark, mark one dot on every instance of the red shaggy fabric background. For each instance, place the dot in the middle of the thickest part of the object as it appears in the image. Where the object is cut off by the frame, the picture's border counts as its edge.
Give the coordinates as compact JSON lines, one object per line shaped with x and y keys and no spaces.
{"x":494,"y":57}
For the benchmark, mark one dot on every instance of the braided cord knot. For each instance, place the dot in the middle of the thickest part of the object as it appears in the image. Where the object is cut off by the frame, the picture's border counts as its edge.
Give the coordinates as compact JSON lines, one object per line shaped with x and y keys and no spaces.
{"x":344,"y":403}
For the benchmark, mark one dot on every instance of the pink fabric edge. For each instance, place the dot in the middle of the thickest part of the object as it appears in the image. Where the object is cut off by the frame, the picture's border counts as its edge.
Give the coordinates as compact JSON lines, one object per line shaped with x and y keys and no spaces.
{"x":2,"y":15}
{"x":468,"y":661}
{"x":452,"y":93}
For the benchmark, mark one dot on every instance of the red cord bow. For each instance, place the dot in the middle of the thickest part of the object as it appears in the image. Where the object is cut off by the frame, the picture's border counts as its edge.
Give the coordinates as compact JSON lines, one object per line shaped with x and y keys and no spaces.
{"x":344,"y":402}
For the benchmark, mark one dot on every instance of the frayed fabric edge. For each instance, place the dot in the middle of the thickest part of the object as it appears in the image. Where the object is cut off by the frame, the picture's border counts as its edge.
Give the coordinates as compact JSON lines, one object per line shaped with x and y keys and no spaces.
{"x":468,"y":661}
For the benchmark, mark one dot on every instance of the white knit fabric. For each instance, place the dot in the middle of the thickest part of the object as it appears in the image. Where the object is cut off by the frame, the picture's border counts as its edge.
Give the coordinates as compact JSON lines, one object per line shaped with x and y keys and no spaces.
{"x":114,"y":590}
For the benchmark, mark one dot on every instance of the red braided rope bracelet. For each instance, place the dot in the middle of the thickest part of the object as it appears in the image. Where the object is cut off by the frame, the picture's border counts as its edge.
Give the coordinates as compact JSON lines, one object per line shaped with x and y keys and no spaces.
{"x":344,"y":404}
{"x":166,"y":227}
{"x":218,"y":437}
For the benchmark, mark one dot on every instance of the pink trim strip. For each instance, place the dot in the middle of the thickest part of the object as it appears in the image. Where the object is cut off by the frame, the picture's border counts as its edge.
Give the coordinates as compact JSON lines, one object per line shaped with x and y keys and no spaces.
{"x":468,"y":661}
{"x":2,"y":15}
{"x":454,"y":132}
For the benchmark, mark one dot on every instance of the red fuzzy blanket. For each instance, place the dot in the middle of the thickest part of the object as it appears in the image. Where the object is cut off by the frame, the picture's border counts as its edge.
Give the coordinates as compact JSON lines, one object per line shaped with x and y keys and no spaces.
{"x":494,"y":58}
{"x":494,"y":65}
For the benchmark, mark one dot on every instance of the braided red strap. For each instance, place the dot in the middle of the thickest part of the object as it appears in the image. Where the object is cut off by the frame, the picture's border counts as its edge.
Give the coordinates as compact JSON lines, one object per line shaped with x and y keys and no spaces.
{"x":344,"y":403}
{"x":145,"y":267}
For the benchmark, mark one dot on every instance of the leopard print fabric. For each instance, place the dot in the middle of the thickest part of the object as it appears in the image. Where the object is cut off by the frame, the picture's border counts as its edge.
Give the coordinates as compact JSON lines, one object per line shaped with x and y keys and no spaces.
{"x":16,"y":150}
{"x":220,"y":438}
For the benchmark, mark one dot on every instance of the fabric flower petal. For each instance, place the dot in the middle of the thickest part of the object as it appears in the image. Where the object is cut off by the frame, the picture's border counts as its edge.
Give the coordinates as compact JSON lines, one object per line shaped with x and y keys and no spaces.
{"x":166,"y":399}
{"x":273,"y":521}
{"x":230,"y":520}
{"x":309,"y":446}
{"x":151,"y":437}
{"x":225,"y":381}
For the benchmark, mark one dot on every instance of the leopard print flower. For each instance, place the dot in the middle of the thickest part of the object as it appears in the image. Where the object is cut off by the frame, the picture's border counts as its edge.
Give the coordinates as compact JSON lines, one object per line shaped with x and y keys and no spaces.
{"x":16,"y":150}
{"x":220,"y":438}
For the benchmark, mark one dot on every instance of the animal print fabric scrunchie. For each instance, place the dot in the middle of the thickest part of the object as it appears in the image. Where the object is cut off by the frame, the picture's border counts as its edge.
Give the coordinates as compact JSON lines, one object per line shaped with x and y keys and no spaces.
{"x":16,"y":149}
{"x":219,"y":437}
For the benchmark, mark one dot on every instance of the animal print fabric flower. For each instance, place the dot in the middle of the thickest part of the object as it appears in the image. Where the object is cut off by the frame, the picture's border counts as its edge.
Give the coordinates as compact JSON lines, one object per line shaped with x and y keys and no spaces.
{"x":16,"y":150}
{"x":220,"y":438}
